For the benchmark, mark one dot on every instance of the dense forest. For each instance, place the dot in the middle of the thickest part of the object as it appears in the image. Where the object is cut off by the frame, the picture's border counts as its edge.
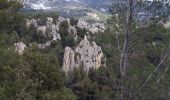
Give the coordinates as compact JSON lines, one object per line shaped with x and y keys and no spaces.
{"x":136,"y":53}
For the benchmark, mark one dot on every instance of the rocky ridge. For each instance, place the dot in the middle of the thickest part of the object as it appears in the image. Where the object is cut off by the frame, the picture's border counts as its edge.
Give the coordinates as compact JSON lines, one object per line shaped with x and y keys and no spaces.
{"x":93,"y":28}
{"x":86,"y":54}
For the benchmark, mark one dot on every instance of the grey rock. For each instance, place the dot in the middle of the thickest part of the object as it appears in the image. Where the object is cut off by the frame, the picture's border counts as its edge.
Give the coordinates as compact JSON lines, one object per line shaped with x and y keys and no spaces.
{"x":69,"y":60}
{"x":42,"y":29}
{"x":87,"y":55}
{"x":90,"y":55}
{"x":167,"y":25}
{"x":55,"y":35}
{"x":82,"y":24}
{"x":44,"y":45}
{"x":20,"y":47}
{"x":31,"y":22}
{"x":93,"y":28}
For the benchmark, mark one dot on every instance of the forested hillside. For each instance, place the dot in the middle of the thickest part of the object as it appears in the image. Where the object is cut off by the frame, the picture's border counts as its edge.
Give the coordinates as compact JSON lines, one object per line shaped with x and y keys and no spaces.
{"x":44,"y":56}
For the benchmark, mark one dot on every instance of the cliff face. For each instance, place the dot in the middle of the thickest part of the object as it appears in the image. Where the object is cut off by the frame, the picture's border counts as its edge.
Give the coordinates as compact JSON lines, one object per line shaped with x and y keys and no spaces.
{"x":87,"y":55}
{"x":69,"y":59}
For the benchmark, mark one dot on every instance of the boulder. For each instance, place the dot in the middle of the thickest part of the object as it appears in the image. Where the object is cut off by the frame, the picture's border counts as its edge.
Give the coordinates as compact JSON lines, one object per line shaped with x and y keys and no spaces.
{"x":20,"y":47}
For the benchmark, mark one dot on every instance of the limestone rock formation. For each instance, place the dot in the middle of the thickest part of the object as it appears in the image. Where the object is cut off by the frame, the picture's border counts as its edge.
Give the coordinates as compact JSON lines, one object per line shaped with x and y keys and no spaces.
{"x":90,"y":55}
{"x":55,"y":35}
{"x":69,"y":59}
{"x":82,"y":24}
{"x":50,"y":29}
{"x":87,"y":55}
{"x":72,"y":30}
{"x":44,"y":45}
{"x":31,"y":22}
{"x":93,"y":28}
{"x":97,"y":27}
{"x":58,"y":22}
{"x":61,"y":19}
{"x":49,"y":21}
{"x":167,"y":25}
{"x":20,"y":47}
{"x":42,"y":29}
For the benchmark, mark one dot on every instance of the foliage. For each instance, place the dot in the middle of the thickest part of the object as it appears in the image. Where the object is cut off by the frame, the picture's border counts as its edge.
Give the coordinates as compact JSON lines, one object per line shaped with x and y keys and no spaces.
{"x":9,"y":17}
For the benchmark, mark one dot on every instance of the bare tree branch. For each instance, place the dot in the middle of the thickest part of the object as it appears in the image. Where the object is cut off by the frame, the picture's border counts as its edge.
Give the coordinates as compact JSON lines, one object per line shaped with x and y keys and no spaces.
{"x":162,"y":76}
{"x":118,"y":42}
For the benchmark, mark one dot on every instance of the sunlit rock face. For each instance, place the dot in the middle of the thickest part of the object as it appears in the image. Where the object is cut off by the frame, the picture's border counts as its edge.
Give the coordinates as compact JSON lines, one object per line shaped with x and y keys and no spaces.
{"x":69,"y":59}
{"x":20,"y":47}
{"x":167,"y":25}
{"x":87,"y":55}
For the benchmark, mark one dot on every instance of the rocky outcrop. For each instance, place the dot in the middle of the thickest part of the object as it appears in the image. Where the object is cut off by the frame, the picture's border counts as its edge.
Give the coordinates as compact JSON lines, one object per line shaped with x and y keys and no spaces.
{"x":72,"y":30}
{"x":51,"y":28}
{"x":31,"y":22}
{"x":44,"y":45}
{"x":87,"y":55}
{"x":48,"y":30}
{"x":55,"y":35}
{"x":49,"y":22}
{"x":167,"y":25}
{"x":42,"y":29}
{"x":93,"y":28}
{"x":58,"y":22}
{"x":82,"y":24}
{"x":97,"y":28}
{"x":20,"y":47}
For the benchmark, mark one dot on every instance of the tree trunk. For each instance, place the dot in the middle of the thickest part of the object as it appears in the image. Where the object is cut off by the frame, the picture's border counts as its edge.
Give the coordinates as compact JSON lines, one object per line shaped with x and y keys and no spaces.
{"x":125,"y":51}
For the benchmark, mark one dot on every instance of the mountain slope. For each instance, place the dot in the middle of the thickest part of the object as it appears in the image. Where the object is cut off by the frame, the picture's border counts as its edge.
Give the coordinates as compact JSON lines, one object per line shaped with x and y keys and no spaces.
{"x":69,"y":7}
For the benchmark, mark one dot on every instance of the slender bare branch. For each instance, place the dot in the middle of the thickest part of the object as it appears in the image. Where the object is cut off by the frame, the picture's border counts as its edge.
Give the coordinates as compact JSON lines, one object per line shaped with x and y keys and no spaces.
{"x":118,"y":42}
{"x":162,"y":76}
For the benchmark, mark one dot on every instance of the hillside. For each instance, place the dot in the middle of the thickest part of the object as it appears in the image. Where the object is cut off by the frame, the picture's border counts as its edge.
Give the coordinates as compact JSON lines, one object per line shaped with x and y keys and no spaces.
{"x":71,"y":8}
{"x":76,"y":50}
